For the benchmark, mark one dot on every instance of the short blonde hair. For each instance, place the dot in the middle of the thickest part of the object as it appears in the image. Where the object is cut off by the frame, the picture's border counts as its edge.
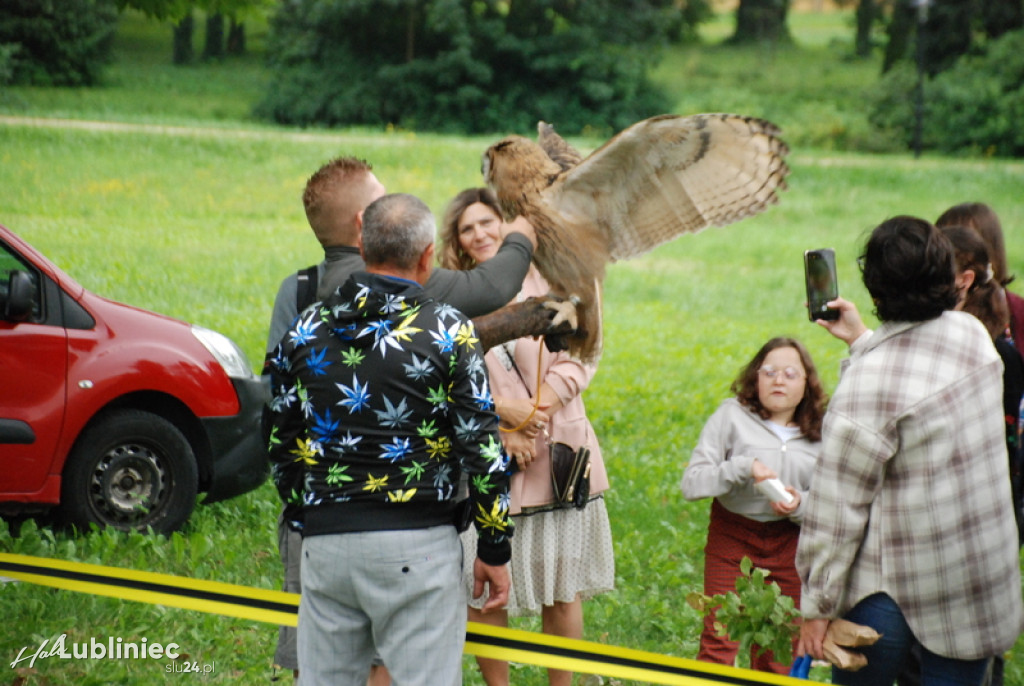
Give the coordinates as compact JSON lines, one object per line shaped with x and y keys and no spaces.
{"x":334,"y":195}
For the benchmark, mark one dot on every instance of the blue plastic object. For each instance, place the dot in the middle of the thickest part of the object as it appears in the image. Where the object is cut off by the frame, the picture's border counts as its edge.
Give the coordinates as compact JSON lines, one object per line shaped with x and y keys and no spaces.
{"x":801,"y":668}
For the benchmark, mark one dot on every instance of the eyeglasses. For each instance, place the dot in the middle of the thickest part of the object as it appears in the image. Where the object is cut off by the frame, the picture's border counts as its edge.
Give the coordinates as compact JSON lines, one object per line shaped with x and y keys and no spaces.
{"x":860,"y":262}
{"x":788,"y":373}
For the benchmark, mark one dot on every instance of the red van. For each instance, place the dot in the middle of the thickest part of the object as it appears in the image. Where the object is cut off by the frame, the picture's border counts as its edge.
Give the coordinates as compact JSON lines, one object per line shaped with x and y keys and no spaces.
{"x":115,"y":415}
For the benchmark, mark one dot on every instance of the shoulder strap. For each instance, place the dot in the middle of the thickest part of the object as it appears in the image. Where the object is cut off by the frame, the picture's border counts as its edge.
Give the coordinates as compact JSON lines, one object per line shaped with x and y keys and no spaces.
{"x":509,"y":361}
{"x":305,"y":287}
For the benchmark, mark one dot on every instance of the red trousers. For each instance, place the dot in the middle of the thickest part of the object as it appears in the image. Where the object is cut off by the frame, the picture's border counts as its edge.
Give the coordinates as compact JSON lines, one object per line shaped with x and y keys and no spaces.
{"x":769,"y":545}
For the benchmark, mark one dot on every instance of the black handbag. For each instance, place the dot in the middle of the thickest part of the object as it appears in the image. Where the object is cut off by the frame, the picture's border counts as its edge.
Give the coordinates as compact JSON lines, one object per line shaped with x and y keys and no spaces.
{"x":570,"y":475}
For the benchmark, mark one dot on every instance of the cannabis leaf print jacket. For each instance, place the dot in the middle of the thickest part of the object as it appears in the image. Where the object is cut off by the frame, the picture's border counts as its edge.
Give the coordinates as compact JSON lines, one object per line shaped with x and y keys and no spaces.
{"x":380,"y":400}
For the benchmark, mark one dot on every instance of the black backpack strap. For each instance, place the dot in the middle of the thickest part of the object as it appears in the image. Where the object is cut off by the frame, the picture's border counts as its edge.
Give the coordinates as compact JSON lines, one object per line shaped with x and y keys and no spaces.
{"x":305,"y":287}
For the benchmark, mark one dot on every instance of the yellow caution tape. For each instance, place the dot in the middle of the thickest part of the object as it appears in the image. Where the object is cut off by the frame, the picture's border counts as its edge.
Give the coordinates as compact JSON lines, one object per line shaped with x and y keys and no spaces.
{"x":278,"y":607}
{"x":544,"y":650}
{"x":274,"y":607}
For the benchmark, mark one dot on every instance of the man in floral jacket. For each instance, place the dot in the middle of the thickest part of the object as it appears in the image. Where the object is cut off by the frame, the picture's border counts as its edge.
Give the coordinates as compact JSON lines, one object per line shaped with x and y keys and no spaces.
{"x":380,"y":401}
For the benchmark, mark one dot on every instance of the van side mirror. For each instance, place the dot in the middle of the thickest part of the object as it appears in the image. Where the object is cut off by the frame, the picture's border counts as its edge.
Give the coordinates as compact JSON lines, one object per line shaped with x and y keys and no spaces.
{"x":17,"y":306}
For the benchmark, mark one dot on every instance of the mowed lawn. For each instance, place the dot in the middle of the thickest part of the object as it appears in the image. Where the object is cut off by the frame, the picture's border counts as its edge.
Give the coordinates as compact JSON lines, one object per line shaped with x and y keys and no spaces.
{"x":196,"y":214}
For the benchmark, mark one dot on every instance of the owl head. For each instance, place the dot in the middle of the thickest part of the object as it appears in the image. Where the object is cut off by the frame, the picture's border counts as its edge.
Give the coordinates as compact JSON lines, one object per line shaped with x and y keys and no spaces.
{"x":517,"y":168}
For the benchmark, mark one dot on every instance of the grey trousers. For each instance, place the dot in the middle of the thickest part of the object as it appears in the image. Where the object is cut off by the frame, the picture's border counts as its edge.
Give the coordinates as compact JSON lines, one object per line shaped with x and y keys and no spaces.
{"x":289,"y":544}
{"x":396,"y":593}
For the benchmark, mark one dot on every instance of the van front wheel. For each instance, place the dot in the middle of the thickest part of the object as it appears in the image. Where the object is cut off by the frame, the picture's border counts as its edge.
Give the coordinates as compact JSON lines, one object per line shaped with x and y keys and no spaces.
{"x":130,"y":470}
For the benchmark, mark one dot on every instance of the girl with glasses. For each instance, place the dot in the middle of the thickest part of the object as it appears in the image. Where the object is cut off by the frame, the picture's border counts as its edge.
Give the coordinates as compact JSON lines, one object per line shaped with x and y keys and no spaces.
{"x":770,"y":430}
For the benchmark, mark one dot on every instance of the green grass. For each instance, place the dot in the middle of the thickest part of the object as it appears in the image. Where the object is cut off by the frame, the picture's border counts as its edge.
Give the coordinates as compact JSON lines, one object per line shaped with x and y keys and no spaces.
{"x":808,"y":28}
{"x":203,"y":221}
{"x":813,"y":87}
{"x":143,"y":86}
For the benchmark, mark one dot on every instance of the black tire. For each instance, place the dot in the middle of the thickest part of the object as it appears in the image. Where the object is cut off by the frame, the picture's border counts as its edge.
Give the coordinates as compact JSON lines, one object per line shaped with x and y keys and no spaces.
{"x":130,"y":469}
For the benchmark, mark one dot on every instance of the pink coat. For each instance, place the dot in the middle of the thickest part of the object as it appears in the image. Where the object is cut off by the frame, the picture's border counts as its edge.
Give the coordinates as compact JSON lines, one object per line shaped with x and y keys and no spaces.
{"x":569,"y":378}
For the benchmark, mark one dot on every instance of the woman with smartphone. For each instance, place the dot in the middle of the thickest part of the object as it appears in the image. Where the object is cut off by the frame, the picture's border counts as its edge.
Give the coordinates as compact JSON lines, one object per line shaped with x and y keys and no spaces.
{"x":754,"y":457}
{"x":909,"y":529}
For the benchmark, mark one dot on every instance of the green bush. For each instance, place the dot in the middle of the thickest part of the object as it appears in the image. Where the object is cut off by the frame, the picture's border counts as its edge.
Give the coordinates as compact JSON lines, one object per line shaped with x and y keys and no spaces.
{"x":975,"y":107}
{"x":7,"y":51}
{"x":756,"y":615}
{"x":892,"y":102}
{"x":60,"y":42}
{"x":462,"y":66}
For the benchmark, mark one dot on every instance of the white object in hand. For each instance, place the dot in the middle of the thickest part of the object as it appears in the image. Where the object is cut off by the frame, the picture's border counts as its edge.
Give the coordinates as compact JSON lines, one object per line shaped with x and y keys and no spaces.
{"x":774,"y":491}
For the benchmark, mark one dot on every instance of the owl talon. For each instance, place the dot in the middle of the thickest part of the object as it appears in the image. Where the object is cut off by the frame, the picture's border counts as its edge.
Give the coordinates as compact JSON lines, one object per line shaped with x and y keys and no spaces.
{"x":565,"y":311}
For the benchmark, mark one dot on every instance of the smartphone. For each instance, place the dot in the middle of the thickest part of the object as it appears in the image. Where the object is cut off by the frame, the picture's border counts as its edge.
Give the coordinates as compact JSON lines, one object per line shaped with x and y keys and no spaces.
{"x":822,"y":285}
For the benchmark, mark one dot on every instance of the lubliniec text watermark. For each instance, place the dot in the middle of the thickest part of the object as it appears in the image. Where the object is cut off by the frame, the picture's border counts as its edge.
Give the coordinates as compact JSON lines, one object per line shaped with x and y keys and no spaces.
{"x":113,"y":649}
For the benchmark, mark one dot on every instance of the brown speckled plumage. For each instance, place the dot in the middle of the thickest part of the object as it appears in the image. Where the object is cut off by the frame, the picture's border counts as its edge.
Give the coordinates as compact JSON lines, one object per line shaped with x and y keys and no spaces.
{"x":658,"y":179}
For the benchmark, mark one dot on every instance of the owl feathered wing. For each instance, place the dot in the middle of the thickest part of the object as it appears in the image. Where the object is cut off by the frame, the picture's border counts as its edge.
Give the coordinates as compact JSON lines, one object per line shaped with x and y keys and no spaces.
{"x":555,"y":147}
{"x":657,"y":180}
{"x":671,"y":175}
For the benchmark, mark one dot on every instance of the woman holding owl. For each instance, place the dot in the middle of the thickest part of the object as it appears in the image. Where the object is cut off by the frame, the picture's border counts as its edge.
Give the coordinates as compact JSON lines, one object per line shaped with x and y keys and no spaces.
{"x":560,"y":555}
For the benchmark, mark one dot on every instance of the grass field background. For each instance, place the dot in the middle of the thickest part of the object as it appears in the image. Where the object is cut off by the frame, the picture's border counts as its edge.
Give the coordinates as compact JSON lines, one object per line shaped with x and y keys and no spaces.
{"x":190,"y":208}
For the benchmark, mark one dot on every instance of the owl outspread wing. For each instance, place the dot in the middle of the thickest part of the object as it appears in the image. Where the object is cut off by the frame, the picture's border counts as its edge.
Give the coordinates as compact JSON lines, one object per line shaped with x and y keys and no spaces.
{"x":670,"y":175}
{"x":657,"y":180}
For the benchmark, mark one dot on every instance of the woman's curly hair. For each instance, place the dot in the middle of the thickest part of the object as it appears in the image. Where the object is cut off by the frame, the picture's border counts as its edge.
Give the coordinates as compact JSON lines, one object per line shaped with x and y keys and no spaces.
{"x":811,"y":410}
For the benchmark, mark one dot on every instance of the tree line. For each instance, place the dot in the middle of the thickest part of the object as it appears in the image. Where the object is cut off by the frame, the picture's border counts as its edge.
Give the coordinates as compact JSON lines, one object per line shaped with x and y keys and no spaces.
{"x":484,"y":65}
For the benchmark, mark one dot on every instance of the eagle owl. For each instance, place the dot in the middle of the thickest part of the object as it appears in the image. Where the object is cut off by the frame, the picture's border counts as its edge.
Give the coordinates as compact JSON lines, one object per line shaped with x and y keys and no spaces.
{"x":658,"y":179}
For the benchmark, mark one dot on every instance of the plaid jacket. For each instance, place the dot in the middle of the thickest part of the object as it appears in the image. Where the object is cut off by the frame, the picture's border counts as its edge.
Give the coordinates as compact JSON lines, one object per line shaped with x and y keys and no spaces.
{"x":911,"y":496}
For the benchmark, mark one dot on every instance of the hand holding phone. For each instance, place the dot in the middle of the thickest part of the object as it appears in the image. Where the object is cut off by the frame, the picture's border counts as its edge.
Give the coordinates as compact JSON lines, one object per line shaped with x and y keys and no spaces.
{"x":822,"y":284}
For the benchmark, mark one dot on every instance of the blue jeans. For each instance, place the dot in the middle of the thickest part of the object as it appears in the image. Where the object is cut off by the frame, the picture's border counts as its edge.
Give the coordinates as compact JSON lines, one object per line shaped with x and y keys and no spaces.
{"x":891,"y":652}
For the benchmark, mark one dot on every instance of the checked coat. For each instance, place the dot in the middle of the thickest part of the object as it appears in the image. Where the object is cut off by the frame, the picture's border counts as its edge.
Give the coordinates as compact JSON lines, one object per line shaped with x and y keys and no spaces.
{"x":911,"y":496}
